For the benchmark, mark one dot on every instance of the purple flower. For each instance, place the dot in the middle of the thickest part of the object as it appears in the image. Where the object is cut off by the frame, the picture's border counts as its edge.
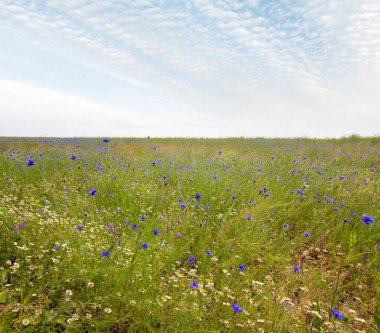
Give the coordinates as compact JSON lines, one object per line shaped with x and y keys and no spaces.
{"x":367,"y":219}
{"x":198,"y":197}
{"x":144,"y":246}
{"x":106,"y":140}
{"x":193,"y":284}
{"x":30,"y":162}
{"x":307,"y":234}
{"x":134,"y":226}
{"x":241,"y":268}
{"x":73,"y":157}
{"x":209,"y":253}
{"x":110,"y":228}
{"x":220,"y":151}
{"x":191,"y":260}
{"x":286,"y":226}
{"x":142,"y":218}
{"x":16,"y":228}
{"x":79,"y":227}
{"x":178,"y":235}
{"x":106,"y":254}
{"x":57,"y":248}
{"x":249,"y":218}
{"x":297,"y":269}
{"x":183,"y":206}
{"x":156,"y":232}
{"x":237,"y":308}
{"x":337,"y":314}
{"x":347,"y":220}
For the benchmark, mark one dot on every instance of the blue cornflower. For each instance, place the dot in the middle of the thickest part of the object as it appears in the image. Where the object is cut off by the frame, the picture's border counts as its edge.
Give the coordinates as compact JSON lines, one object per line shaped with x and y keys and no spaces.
{"x":220,"y":151}
{"x":106,"y":254}
{"x":266,"y":195}
{"x":134,"y":226}
{"x":307,"y":234}
{"x":286,"y":226}
{"x":156,"y":232}
{"x":93,"y":192}
{"x":30,"y":162}
{"x":337,"y":314}
{"x":198,"y":197}
{"x":73,"y":157}
{"x":241,"y":268}
{"x":183,"y":206}
{"x":237,"y":308}
{"x":249,"y":218}
{"x":209,"y":253}
{"x":106,"y":140}
{"x":57,"y":248}
{"x":367,"y":219}
{"x":233,"y":197}
{"x":142,"y":218}
{"x":191,"y":260}
{"x":347,"y":220}
{"x":144,"y":246}
{"x":297,"y":269}
{"x":154,"y":163}
{"x":193,"y":284}
{"x":178,"y":235}
{"x":79,"y":227}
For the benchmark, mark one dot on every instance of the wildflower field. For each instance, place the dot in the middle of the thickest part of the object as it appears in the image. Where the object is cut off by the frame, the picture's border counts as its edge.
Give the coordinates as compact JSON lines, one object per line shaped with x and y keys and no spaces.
{"x":189,"y":235}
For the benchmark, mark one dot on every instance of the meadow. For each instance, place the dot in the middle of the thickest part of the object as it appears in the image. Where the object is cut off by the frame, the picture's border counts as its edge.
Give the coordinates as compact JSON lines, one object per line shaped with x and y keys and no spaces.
{"x":189,"y":235}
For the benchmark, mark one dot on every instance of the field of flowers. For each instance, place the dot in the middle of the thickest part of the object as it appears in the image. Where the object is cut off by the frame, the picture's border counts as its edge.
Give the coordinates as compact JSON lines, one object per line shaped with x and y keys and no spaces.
{"x":189,"y":235}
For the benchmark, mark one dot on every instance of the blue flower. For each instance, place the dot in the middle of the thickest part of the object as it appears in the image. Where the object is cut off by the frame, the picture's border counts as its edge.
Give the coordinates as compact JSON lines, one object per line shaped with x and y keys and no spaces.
{"x":249,"y":218}
{"x":57,"y":248}
{"x":209,"y":253}
{"x":286,"y":226}
{"x":220,"y":151}
{"x":198,"y":197}
{"x":337,"y":314}
{"x":191,"y":260}
{"x":93,"y":192}
{"x":30,"y":162}
{"x":307,"y":234}
{"x":193,"y":284}
{"x":347,"y":220}
{"x":367,"y":219}
{"x":178,"y":235}
{"x":106,"y":254}
{"x":241,"y":268}
{"x":156,"y":232}
{"x":134,"y":226}
{"x":79,"y":227}
{"x":144,"y":246}
{"x":237,"y":308}
{"x":183,"y":206}
{"x":106,"y":140}
{"x":297,"y":269}
{"x":73,"y":157}
{"x":142,"y":218}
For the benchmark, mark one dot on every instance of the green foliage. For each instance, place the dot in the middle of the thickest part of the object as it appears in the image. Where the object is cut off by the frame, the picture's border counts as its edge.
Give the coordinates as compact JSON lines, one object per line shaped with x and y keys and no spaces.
{"x":54,"y":278}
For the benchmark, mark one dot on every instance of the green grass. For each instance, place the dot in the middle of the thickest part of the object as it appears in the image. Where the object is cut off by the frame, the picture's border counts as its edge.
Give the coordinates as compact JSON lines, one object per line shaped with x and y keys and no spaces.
{"x":53,"y":277}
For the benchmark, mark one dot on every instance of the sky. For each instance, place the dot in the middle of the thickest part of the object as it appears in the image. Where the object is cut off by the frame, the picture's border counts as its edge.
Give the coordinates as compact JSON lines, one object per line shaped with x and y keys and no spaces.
{"x":190,"y":68}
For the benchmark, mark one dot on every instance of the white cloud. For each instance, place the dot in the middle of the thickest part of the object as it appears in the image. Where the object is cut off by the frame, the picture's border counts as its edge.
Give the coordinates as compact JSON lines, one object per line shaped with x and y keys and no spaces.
{"x":270,"y":62}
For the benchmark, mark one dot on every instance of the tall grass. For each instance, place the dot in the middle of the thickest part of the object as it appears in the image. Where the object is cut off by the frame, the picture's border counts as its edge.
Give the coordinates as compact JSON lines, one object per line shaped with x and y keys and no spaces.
{"x":288,"y":211}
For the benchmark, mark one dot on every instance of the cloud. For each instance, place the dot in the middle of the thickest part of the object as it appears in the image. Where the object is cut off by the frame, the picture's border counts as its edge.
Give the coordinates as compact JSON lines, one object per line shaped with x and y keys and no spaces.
{"x":264,"y":64}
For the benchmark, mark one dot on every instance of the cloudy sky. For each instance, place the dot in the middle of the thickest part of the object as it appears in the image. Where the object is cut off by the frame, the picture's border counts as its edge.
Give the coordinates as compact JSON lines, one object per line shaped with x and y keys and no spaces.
{"x":190,"y":68}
